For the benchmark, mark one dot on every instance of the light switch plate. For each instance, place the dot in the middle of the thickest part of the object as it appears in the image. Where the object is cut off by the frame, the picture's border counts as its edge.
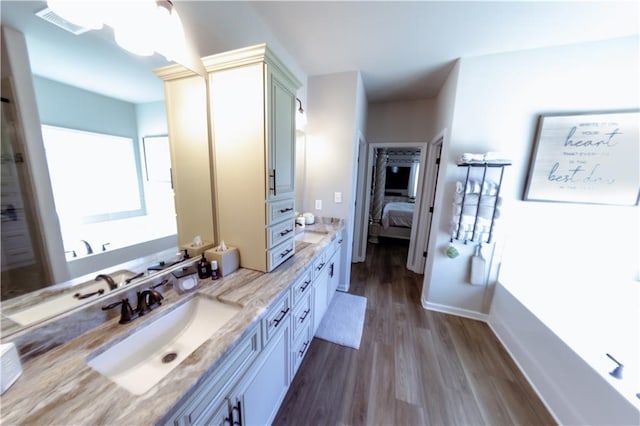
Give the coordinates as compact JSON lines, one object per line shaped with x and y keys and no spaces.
{"x":337,"y":197}
{"x":318,"y":204}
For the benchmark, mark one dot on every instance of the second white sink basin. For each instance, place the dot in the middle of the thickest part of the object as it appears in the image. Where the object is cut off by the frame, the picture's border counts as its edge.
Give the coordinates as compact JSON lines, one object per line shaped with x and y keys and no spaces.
{"x":310,"y":236}
{"x":143,"y":358}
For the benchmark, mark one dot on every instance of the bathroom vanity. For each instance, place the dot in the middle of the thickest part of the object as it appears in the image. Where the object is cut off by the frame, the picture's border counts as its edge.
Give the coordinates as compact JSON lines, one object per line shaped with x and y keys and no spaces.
{"x":240,"y":373}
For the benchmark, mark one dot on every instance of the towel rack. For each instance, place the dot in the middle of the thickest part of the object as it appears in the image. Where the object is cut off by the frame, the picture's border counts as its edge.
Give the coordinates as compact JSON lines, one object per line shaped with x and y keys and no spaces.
{"x":485,"y":167}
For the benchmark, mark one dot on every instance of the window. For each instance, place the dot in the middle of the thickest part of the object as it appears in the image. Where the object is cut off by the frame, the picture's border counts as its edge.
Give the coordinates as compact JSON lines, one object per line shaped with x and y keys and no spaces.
{"x":94,"y":177}
{"x":397,"y":178}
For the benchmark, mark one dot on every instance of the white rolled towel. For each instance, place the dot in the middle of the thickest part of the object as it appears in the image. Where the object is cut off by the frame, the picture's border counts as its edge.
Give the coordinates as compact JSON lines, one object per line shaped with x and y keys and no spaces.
{"x":474,"y":187}
{"x":485,"y":212}
{"x":472,"y":200}
{"x":469,"y":220}
{"x":466,"y":228}
{"x":469,"y":157}
{"x":496,"y":157}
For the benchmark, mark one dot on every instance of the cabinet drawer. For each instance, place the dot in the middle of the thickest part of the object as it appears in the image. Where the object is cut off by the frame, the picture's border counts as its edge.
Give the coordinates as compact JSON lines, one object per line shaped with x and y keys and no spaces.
{"x":275,"y":319}
{"x":280,"y":253}
{"x":301,"y":287}
{"x":280,"y":210}
{"x":302,"y":315}
{"x":280,"y":232}
{"x":318,"y":264}
{"x":207,"y":397}
{"x":300,"y":348}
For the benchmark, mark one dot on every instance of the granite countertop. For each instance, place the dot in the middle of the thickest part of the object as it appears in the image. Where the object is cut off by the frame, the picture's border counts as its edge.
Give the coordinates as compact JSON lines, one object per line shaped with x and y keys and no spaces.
{"x":58,"y":387}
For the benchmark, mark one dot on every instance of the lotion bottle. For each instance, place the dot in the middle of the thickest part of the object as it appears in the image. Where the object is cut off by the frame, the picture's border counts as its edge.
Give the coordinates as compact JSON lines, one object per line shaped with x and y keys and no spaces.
{"x":204,"y":270}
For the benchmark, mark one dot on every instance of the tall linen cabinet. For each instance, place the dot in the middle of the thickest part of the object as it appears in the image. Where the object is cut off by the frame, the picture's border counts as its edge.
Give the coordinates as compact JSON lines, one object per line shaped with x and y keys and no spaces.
{"x":251,"y":118}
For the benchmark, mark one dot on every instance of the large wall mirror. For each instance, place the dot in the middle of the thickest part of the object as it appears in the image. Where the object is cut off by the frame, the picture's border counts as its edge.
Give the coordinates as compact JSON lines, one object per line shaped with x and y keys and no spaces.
{"x":97,"y":191}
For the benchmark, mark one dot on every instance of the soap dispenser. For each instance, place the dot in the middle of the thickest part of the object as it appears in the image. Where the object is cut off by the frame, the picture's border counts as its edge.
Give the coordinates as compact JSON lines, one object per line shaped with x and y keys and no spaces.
{"x":204,"y":269}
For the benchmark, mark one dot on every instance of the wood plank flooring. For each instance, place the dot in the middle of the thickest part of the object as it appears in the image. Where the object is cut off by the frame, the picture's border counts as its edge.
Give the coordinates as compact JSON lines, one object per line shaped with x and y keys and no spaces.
{"x":414,"y":367}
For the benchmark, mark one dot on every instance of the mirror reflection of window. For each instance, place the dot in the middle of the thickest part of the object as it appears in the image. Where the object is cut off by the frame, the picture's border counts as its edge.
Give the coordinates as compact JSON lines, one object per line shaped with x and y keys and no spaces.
{"x":107,"y":208}
{"x":100,"y":169}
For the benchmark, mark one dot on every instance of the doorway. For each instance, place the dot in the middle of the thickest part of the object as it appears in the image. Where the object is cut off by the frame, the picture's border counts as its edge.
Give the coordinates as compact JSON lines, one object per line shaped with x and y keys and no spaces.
{"x":393,"y":204}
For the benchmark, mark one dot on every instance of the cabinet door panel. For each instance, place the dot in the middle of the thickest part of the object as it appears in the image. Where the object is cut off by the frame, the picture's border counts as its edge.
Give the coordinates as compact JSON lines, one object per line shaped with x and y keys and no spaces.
{"x":261,"y":394}
{"x":320,"y":297}
{"x":282,"y":143}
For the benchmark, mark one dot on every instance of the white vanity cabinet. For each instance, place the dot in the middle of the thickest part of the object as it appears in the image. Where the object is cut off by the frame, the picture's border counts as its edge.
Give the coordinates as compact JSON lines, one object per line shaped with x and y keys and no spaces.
{"x":249,"y":386}
{"x":256,"y":398}
{"x":208,"y":400}
{"x":252,"y":107}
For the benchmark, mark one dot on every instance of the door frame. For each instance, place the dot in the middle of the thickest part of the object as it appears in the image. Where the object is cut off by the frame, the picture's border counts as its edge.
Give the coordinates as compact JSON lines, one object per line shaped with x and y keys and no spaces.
{"x":360,"y":223}
{"x":364,"y":214}
{"x":428,"y":207}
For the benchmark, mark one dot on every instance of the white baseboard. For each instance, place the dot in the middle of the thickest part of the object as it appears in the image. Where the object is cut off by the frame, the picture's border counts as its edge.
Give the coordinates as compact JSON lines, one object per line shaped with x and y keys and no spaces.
{"x":456,"y":311}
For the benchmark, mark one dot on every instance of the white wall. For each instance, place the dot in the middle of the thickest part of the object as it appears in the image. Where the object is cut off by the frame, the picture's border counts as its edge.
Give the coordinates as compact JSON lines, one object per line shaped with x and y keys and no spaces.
{"x":336,"y":110}
{"x":497,"y":101}
{"x":573,"y":266}
{"x":405,"y":121}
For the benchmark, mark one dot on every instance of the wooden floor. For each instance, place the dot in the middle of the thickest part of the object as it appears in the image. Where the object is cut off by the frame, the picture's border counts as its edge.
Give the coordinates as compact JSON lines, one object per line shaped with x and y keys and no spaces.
{"x":414,"y":367}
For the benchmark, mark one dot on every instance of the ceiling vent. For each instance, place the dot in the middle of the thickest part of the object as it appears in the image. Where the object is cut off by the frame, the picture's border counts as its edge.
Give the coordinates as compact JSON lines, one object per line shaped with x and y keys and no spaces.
{"x":50,"y":16}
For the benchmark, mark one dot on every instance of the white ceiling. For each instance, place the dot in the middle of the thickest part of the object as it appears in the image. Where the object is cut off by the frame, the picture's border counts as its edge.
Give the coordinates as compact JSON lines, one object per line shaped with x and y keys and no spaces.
{"x":403,"y":49}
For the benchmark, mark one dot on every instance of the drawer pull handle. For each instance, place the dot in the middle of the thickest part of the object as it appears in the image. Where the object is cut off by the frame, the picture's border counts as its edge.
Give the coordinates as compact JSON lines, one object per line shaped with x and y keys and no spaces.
{"x":304,"y":287}
{"x":304,"y":315}
{"x":286,"y":252}
{"x":288,"y":209}
{"x":285,"y":232}
{"x":237,"y":408}
{"x":304,"y":348}
{"x":283,"y":314}
{"x":274,"y":182}
{"x":320,"y":266}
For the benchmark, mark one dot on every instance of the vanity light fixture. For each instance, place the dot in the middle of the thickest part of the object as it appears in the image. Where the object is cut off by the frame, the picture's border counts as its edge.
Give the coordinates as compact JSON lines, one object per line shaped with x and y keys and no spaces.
{"x":141,"y":27}
{"x":301,"y":117}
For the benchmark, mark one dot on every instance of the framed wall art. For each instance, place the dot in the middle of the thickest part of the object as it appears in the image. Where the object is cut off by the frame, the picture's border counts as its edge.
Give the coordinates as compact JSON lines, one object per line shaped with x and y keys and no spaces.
{"x":591,"y":158}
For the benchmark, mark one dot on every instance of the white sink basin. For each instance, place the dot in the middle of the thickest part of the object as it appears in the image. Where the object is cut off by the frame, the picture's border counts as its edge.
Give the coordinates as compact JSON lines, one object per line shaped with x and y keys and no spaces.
{"x":310,"y":236}
{"x":143,"y":358}
{"x":55,"y":305}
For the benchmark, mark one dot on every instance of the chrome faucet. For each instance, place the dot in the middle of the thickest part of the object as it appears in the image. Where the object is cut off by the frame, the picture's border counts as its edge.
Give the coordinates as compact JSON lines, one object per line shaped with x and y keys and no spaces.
{"x":109,"y":280}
